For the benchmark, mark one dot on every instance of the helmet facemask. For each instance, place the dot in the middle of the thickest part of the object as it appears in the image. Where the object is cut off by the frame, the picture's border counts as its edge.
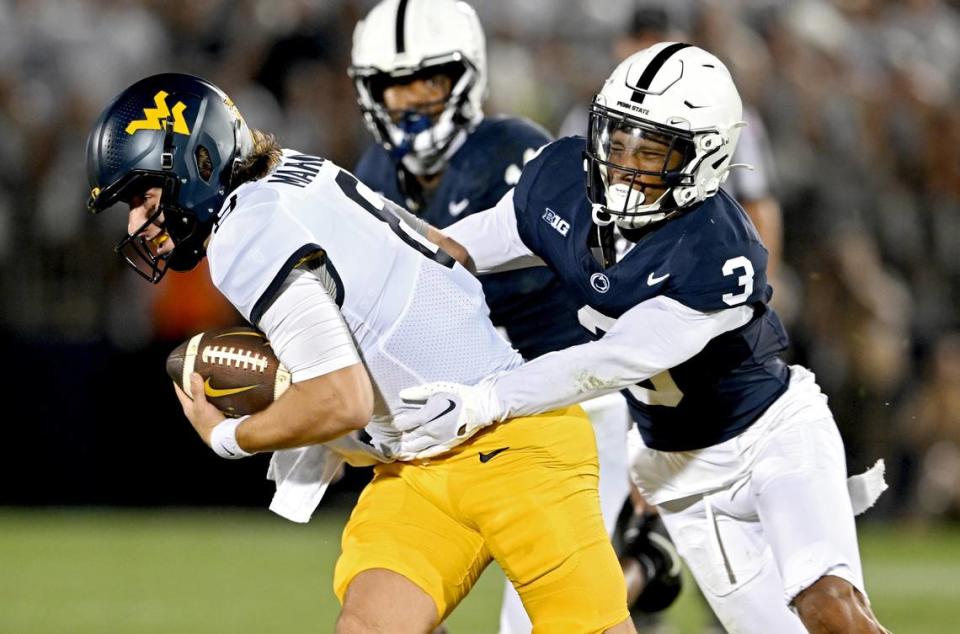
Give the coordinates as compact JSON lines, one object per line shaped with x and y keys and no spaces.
{"x":182,"y":228}
{"x":425,"y":136}
{"x":633,"y":168}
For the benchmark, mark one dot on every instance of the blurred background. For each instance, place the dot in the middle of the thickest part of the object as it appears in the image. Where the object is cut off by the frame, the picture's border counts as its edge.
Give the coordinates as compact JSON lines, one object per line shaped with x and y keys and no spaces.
{"x":855,"y":108}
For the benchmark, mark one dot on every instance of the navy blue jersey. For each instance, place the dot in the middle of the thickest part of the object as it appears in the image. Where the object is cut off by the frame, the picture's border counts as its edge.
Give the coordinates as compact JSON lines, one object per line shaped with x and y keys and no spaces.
{"x":531,"y":305}
{"x":710,"y":258}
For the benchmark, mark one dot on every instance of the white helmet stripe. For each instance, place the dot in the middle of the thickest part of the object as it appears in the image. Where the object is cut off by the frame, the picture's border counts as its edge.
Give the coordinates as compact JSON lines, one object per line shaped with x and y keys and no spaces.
{"x":399,"y":37}
{"x":651,"y":70}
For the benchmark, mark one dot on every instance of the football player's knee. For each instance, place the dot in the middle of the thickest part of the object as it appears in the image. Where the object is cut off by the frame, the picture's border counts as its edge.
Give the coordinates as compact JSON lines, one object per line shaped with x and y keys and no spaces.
{"x":831,"y":605}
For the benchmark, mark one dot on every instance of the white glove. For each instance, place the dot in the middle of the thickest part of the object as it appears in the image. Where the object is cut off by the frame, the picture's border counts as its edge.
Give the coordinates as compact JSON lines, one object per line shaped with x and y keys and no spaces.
{"x":443,"y":416}
{"x":385,"y":439}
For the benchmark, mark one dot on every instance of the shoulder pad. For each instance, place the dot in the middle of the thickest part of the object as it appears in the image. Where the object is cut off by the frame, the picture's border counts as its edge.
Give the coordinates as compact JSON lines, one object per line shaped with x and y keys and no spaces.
{"x":720,"y":262}
{"x":257,"y":243}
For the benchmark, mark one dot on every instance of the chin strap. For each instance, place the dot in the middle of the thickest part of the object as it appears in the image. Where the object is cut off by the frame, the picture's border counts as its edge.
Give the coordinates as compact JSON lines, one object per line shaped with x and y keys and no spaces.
{"x":603,"y":244}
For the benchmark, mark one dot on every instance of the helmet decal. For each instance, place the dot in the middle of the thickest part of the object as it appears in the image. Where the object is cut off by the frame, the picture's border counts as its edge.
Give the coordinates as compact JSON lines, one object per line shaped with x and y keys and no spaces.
{"x":399,"y":35}
{"x":152,"y":117}
{"x":178,"y":133}
{"x":643,"y":84}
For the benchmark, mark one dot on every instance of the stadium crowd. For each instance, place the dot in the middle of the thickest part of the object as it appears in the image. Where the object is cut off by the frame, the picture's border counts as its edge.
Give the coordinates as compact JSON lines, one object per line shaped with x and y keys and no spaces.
{"x":859,"y":98}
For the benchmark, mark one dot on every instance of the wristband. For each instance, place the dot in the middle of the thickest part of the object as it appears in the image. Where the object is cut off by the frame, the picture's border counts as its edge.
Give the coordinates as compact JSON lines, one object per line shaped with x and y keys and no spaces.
{"x":223,"y":439}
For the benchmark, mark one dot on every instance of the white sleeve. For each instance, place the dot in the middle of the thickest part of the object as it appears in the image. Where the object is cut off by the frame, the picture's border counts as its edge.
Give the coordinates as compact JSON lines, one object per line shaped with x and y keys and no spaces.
{"x":651,"y":337}
{"x":492,"y":239}
{"x":305,"y":327}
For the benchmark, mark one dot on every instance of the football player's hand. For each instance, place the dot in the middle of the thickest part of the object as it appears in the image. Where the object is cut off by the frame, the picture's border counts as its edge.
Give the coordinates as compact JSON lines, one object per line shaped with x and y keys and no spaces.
{"x":443,"y":415}
{"x":201,"y":414}
{"x":385,"y":438}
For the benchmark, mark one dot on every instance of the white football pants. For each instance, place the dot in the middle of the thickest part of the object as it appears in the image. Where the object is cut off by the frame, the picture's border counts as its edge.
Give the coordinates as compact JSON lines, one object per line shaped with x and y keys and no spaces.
{"x":610,"y":423}
{"x":783,"y":519}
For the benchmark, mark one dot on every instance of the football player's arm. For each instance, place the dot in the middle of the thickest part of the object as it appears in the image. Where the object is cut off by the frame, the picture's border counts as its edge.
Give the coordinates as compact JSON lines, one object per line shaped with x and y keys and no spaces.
{"x":492,"y":239}
{"x":653,"y":336}
{"x":656,"y":335}
{"x":330,"y":394}
{"x":485,"y":242}
{"x":431,"y":233}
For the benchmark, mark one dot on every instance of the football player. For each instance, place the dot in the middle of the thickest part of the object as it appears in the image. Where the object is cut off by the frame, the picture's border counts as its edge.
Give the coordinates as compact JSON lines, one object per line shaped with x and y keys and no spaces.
{"x":737,"y":449}
{"x":357,"y":305}
{"x":420,"y":72}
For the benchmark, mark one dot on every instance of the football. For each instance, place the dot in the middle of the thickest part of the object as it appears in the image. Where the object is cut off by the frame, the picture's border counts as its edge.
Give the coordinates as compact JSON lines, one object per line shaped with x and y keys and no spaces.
{"x":241,"y":373}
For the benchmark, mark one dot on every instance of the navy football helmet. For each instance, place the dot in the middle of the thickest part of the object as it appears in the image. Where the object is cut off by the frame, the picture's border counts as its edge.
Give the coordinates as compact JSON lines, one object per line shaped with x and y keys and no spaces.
{"x":177,"y":132}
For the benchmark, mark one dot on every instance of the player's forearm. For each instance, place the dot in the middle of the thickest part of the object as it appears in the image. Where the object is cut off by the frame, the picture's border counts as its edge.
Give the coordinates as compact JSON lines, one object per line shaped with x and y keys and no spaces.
{"x":491,"y":239}
{"x":331,"y":393}
{"x":562,"y":378}
{"x":456,"y":250}
{"x":654,"y":336}
{"x":310,"y":412}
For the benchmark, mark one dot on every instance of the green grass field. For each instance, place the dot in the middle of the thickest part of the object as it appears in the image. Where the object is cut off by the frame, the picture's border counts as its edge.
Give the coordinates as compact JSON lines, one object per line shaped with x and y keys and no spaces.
{"x":249,"y":571}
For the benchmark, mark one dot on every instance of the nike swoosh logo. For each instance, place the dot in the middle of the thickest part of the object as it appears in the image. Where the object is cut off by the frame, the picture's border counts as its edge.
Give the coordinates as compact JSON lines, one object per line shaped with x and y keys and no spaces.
{"x":224,"y":447}
{"x":652,"y":281}
{"x":487,"y":457}
{"x":450,"y":406}
{"x":213,"y":392}
{"x":458,"y":208}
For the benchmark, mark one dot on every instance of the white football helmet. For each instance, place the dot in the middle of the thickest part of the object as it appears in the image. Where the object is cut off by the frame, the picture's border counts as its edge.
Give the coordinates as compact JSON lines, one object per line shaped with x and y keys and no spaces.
{"x":401,"y":39}
{"x":679,"y":97}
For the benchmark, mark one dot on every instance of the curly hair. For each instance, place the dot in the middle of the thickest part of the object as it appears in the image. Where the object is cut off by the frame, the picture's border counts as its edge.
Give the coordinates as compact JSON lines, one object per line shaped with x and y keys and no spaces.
{"x":265,"y":156}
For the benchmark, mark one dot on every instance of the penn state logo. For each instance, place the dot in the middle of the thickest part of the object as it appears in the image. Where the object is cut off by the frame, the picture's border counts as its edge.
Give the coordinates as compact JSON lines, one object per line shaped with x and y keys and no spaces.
{"x":600,"y":282}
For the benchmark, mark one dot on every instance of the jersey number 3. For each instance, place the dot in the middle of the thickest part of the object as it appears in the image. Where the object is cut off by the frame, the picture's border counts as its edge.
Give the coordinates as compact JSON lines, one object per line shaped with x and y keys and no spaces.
{"x":664,"y":391}
{"x":746,"y":280}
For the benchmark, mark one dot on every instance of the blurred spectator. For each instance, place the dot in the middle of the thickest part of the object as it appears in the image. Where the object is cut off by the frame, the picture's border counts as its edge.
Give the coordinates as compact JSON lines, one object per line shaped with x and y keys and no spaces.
{"x":929,"y":424}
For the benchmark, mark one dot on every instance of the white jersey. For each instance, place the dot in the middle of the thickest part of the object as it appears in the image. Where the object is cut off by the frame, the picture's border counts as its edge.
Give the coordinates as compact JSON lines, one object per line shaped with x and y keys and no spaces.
{"x":415,"y":315}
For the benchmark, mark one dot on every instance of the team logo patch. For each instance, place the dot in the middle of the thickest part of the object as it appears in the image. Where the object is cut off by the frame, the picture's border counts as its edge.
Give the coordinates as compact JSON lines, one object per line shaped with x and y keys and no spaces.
{"x":555,"y":221}
{"x":600,"y":282}
{"x":160,"y":112}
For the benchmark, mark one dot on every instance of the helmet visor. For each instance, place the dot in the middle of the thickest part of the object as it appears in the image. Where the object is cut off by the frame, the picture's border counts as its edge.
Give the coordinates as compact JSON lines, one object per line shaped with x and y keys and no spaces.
{"x":634,"y":153}
{"x":133,"y":183}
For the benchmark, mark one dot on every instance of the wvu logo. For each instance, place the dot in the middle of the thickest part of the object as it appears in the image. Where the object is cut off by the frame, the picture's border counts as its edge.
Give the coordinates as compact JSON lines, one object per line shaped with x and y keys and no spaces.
{"x":153,"y":116}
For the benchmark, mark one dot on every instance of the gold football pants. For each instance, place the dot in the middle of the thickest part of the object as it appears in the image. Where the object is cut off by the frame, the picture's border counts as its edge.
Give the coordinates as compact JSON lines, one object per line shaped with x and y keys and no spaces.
{"x":524,"y":493}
